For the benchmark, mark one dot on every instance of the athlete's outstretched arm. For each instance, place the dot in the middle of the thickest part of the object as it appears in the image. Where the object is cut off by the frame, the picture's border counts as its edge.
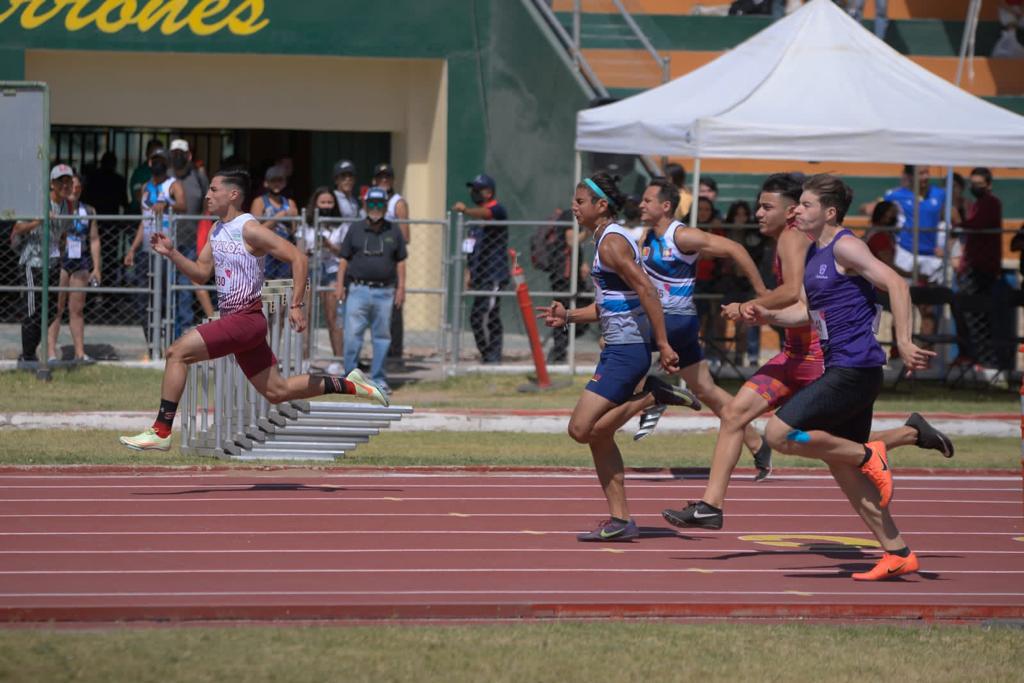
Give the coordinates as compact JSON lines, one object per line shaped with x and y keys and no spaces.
{"x":689,"y":240}
{"x":855,"y":257}
{"x":198,"y":271}
{"x":795,"y":315}
{"x":618,"y":254}
{"x":792,"y":249}
{"x":261,"y":241}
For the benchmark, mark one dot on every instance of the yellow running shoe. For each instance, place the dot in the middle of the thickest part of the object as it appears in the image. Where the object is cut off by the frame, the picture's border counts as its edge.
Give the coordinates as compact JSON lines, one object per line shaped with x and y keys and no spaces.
{"x":148,"y":440}
{"x":366,"y":388}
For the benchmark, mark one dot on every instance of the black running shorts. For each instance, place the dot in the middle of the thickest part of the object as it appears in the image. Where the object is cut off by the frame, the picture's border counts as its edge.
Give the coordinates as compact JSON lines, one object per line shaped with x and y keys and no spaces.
{"x":840,"y":402}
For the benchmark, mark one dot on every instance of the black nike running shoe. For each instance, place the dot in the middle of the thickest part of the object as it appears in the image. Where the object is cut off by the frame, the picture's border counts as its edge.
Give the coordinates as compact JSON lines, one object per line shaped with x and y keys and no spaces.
{"x":763,"y":462}
{"x":699,"y":515}
{"x":928,"y":437}
{"x":667,"y":394}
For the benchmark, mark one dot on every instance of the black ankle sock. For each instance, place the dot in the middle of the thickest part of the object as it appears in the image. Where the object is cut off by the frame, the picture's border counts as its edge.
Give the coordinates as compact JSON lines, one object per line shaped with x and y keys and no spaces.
{"x":867,"y":456}
{"x":165,"y":416}
{"x":621,"y":521}
{"x":902,"y":552}
{"x":338,"y":385}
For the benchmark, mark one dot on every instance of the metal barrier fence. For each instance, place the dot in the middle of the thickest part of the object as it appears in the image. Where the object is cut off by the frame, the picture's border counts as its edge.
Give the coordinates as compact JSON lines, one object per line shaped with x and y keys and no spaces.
{"x":457,"y":279}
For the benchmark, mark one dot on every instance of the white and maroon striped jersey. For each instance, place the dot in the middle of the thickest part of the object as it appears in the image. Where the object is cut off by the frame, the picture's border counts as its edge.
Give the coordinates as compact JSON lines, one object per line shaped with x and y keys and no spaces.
{"x":239,"y":273}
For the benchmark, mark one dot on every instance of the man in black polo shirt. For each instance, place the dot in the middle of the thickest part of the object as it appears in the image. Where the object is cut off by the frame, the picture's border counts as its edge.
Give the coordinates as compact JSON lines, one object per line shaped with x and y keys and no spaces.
{"x":371,"y":282}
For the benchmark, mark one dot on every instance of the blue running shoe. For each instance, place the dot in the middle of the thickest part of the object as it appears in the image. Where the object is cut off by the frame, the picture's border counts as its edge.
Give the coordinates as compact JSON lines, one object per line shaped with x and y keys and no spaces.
{"x":612,"y":530}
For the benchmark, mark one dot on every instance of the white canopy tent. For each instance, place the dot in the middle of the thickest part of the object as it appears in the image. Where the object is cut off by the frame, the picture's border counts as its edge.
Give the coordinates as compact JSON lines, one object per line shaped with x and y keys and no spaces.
{"x":812,"y":86}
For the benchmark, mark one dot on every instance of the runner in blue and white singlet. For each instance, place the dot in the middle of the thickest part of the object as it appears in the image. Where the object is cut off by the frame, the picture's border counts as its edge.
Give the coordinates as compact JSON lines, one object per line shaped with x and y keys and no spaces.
{"x":672,"y":272}
{"x":239,"y":274}
{"x":623,"y":321}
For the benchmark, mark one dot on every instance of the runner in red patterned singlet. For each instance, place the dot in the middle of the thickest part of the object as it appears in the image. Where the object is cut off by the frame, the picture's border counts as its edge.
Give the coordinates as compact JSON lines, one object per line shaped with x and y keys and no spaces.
{"x":235,"y":251}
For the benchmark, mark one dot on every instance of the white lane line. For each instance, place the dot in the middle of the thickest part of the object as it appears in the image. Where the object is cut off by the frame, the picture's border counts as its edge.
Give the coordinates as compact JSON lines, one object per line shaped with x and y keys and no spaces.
{"x":301,"y":487}
{"x":401,"y":498}
{"x":467,"y":515}
{"x":434,"y":532}
{"x":758,"y":550}
{"x":466,"y":570}
{"x":495,"y":592}
{"x":391,"y":476}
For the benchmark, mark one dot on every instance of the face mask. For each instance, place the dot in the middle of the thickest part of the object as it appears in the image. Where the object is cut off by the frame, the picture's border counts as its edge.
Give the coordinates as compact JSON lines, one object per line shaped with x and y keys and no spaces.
{"x":978,"y":192}
{"x":477,"y":196}
{"x":179,"y":162}
{"x":159,"y":167}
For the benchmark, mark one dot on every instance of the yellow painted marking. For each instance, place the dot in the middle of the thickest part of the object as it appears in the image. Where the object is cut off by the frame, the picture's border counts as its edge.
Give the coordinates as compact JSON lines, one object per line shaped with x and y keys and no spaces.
{"x":612,"y":550}
{"x":801,"y":540}
{"x":1019,"y":538}
{"x":397,"y":500}
{"x":700,"y":570}
{"x":799,"y":593}
{"x":534,"y":533}
{"x":459,"y":514}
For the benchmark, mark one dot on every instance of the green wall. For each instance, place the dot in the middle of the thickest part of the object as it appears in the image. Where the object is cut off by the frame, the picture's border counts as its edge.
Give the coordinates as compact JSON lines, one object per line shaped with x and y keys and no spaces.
{"x":512,"y":100}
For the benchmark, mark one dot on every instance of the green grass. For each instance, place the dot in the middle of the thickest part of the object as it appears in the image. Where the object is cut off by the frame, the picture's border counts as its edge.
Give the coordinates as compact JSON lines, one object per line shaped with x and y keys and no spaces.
{"x":439,"y":449}
{"x":113,"y":388}
{"x":533,"y":651}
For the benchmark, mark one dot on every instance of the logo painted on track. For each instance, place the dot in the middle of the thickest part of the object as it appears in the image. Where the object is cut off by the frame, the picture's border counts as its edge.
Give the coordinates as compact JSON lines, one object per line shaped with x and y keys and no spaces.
{"x":801,"y":540}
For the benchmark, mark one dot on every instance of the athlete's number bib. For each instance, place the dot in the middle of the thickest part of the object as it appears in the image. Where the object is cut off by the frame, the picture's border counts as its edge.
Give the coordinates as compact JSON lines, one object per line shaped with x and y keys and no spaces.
{"x":663,"y":291}
{"x":818,"y":320}
{"x":223,"y":283}
{"x":74,"y":248}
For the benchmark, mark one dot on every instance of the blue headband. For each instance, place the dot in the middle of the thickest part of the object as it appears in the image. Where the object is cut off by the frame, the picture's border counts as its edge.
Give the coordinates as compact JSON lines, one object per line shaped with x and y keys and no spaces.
{"x":598,"y":191}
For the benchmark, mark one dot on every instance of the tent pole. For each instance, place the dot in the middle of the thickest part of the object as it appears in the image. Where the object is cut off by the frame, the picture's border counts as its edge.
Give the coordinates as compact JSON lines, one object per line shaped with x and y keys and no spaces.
{"x":696,"y":192}
{"x":946,"y":247}
{"x":917,"y":220}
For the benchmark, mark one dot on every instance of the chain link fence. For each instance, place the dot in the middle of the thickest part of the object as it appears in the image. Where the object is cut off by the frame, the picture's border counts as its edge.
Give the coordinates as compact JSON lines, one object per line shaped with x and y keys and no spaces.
{"x":118,"y":301}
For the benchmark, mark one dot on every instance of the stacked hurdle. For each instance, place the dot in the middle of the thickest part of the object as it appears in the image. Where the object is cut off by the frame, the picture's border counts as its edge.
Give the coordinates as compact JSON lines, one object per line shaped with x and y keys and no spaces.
{"x":223,"y":416}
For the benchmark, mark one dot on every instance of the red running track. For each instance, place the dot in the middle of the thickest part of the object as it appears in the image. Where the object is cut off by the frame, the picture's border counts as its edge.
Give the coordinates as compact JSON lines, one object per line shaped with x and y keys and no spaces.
{"x":103,"y":546}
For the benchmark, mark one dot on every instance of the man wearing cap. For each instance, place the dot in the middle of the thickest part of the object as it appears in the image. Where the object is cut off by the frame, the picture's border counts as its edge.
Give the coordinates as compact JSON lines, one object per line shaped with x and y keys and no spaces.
{"x":34,"y":263}
{"x":486,"y":249}
{"x":398,"y":209}
{"x":345,"y":191}
{"x":194,"y":183}
{"x":272,"y":205}
{"x":160,"y":195}
{"x":371,"y":282}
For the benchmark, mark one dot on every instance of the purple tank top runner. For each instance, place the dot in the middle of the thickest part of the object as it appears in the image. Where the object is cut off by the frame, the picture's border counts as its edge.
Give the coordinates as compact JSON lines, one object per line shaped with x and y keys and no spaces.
{"x":842,"y":309}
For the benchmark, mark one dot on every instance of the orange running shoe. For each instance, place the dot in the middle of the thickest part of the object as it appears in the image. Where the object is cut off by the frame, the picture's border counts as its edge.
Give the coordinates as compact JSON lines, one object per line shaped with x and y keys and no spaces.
{"x":877,"y":470}
{"x":889,"y":567}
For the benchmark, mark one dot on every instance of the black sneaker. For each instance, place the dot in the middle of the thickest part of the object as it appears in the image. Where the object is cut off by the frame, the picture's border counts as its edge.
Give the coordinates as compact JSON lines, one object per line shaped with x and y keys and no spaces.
{"x":667,"y":394}
{"x":929,"y":437}
{"x":763,"y":462}
{"x":649,"y":420}
{"x":699,"y":514}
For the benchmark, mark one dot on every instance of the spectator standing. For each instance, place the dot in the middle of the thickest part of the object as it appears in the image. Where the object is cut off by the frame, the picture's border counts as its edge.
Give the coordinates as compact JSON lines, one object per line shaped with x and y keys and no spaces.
{"x":33,"y":261}
{"x":371,"y":282}
{"x":486,"y":249}
{"x":1017,"y":244}
{"x":930,"y":241}
{"x":271,"y":205}
{"x":80,"y":266}
{"x":327,"y":238}
{"x":106,"y":191}
{"x":742,"y":229}
{"x":398,"y":209}
{"x":711,"y":324}
{"x":195,"y":184}
{"x":677,"y":174}
{"x":140,"y":176}
{"x":161,"y":194}
{"x":980,"y":265}
{"x":348,"y":202}
{"x":855,"y":8}
{"x":558,"y":252}
{"x":881,"y":235}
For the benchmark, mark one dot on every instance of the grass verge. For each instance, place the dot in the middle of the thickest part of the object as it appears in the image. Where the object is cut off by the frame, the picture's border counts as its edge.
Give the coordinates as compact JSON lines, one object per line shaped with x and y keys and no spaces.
{"x":114,"y":388}
{"x":634,"y":651}
{"x":398,"y":449}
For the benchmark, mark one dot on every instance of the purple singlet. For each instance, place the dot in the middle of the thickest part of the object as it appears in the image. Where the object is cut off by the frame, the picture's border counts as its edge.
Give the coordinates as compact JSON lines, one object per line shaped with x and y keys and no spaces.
{"x":842,"y":310}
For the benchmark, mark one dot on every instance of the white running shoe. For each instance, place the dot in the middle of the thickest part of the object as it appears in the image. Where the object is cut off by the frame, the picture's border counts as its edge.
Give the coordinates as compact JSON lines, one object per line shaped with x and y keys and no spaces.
{"x":649,"y":420}
{"x":366,"y":388}
{"x":148,"y":440}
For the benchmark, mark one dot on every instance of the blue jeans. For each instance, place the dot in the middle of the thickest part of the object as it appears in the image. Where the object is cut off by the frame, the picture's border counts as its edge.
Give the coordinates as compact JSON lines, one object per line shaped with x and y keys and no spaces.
{"x":184,"y":318}
{"x":368,"y":307}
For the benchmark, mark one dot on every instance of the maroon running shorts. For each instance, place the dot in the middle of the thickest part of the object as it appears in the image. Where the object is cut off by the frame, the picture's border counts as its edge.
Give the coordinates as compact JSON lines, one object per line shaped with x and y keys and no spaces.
{"x":245,"y":335}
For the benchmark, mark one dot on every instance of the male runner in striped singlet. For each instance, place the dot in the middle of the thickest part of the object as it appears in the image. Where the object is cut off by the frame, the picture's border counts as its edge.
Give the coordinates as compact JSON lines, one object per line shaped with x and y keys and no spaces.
{"x":830,"y":419}
{"x":236,"y":250}
{"x":800,"y":362}
{"x":670,"y":253}
{"x":628,"y":309}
